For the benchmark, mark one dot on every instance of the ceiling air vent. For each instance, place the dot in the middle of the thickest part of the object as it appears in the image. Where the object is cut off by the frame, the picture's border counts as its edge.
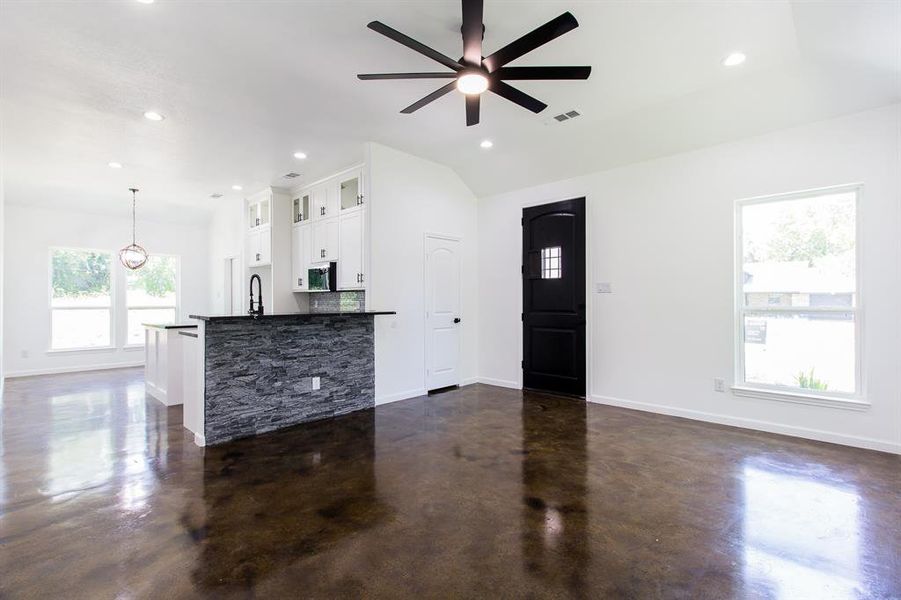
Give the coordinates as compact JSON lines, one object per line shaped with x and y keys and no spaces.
{"x":292,"y":175}
{"x":566,"y":116}
{"x":215,"y":196}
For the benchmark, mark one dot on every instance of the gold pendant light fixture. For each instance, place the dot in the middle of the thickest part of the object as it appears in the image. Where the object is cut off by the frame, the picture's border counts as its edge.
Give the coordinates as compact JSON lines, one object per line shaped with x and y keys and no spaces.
{"x":133,"y":256}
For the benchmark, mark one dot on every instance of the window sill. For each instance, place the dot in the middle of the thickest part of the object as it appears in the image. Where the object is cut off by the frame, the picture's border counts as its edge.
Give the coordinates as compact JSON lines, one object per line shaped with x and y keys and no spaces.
{"x":133,"y":347}
{"x":799,"y":398}
{"x":92,"y":349}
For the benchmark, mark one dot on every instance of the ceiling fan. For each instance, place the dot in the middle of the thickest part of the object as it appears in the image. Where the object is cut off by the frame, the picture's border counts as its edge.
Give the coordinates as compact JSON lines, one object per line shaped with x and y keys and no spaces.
{"x":474,"y":73}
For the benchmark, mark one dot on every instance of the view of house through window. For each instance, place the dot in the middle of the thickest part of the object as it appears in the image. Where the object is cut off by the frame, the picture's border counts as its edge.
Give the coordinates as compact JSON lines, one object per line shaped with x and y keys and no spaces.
{"x":83,"y":304}
{"x":151,"y":295}
{"x":80,"y":299}
{"x":798,"y":292}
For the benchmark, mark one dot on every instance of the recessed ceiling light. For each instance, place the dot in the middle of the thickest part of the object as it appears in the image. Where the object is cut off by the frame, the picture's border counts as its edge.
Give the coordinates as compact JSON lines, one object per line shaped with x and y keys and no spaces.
{"x":146,"y":1}
{"x":115,"y":165}
{"x":237,"y":188}
{"x":734,"y":59}
{"x":486,"y":144}
{"x":472,"y":83}
{"x":300,"y":155}
{"x":153,"y":115}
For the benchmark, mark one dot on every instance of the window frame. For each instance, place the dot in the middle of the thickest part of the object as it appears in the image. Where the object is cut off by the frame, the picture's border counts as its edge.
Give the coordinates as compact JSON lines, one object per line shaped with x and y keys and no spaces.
{"x":125,"y":307}
{"x":118,"y":308}
{"x":112,"y":306}
{"x":855,"y":400}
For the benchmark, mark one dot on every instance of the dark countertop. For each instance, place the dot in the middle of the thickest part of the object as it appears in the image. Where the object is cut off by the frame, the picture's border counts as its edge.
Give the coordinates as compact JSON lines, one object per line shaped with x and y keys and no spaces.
{"x":169,"y":325}
{"x":299,"y":315}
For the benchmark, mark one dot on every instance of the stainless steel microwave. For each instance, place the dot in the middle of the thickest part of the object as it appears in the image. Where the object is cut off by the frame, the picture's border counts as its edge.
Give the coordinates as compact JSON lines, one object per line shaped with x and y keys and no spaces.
{"x":323,"y":279}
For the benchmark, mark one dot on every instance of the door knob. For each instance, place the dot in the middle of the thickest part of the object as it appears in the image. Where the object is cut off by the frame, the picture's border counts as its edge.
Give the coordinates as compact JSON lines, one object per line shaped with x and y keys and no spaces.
{"x":456,"y":319}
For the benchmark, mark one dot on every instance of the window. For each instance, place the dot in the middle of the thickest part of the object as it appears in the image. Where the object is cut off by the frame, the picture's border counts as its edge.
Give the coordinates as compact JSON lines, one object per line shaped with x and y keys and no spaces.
{"x":551,"y":267}
{"x":797,"y":293}
{"x":151,"y":295}
{"x":80,"y":299}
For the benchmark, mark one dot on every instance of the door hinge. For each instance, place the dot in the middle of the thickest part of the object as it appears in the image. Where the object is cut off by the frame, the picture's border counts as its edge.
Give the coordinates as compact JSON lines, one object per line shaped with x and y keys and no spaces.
{"x":522,"y":364}
{"x":522,"y":221}
{"x":522,"y":317}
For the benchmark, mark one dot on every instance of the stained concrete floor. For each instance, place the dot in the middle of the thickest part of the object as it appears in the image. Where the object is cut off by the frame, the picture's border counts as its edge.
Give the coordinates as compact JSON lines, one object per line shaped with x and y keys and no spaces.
{"x":481,"y":492}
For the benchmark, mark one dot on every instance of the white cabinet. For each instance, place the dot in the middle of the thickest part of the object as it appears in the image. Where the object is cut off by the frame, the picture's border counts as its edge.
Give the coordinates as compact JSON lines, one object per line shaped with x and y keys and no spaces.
{"x":325,"y":201}
{"x":259,"y":210}
{"x":350,"y":190}
{"x":325,"y":241}
{"x":351,"y":274}
{"x":301,"y":243}
{"x":259,"y":246}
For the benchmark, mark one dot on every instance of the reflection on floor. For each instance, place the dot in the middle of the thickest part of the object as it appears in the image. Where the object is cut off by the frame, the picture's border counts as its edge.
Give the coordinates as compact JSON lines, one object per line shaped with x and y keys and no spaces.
{"x":481,"y":492}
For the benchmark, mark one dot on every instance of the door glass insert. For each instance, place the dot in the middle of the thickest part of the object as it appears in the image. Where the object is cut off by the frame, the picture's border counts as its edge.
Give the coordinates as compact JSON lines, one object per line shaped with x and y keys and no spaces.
{"x":350,"y":193}
{"x":551,"y":263}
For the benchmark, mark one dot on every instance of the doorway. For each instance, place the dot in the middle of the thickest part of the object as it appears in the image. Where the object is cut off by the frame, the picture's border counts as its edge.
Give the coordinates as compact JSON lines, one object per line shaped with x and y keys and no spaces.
{"x":443,"y":319}
{"x":553,"y":297}
{"x":233,"y":292}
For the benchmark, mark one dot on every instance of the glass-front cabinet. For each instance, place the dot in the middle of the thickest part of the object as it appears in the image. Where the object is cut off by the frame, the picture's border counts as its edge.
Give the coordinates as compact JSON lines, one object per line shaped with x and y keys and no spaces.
{"x":350,"y":190}
{"x":258,"y":212}
{"x":301,"y":207}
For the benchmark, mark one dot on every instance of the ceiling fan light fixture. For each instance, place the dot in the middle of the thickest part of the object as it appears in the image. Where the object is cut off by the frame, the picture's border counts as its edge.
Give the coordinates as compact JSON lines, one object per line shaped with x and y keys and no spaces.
{"x":472,"y":83}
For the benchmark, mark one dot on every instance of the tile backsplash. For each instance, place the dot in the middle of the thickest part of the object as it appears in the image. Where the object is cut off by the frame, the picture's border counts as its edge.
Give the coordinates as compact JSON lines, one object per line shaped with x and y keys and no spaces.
{"x":338,"y":301}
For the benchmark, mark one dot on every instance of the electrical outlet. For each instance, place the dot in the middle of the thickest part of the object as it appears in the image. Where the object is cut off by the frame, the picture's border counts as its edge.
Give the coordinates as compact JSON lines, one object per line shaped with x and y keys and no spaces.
{"x":719,"y":385}
{"x":24,"y":353}
{"x":317,"y":383}
{"x":604,"y":288}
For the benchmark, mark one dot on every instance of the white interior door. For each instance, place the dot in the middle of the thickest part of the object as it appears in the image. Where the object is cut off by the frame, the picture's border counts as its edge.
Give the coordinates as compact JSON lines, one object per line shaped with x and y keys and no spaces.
{"x":233,"y":285}
{"x":443,"y":319}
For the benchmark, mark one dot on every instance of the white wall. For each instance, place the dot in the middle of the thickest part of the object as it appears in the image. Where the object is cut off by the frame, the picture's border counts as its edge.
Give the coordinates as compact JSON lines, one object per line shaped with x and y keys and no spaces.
{"x":662,"y":233}
{"x":410,"y":197}
{"x":30,"y":232}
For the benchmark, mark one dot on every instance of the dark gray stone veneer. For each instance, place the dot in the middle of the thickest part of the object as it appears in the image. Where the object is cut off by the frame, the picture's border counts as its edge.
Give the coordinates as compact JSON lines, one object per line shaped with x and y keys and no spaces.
{"x":259,"y":371}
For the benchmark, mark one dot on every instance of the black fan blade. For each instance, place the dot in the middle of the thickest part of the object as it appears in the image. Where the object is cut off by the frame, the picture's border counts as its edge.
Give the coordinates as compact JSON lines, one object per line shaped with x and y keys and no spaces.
{"x":524,"y":73}
{"x":472,"y":109}
{"x":517,"y":97}
{"x":538,"y":37}
{"x":430,"y":98}
{"x":414,"y":45}
{"x":472,"y":32}
{"x":370,"y":76}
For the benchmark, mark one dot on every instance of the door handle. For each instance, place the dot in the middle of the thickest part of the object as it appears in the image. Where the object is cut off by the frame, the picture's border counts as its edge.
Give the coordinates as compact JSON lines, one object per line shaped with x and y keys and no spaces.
{"x":457,"y":319}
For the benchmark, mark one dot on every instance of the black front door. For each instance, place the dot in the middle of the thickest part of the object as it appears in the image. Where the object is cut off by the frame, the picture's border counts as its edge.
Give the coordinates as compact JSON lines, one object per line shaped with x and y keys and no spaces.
{"x":553,"y":297}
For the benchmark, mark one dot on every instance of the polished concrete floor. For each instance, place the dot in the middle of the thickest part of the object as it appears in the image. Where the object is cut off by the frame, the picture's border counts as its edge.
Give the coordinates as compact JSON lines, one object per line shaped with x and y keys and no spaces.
{"x":481,"y":492}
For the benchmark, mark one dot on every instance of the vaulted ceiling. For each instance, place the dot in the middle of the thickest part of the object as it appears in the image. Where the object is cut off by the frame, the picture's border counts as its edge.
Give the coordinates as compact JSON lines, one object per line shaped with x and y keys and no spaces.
{"x":243,"y":85}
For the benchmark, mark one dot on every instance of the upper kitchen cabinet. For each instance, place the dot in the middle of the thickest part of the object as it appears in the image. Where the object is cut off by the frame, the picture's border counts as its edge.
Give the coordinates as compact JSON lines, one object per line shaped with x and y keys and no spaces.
{"x":350,"y":190}
{"x":325,"y":241}
{"x":302,"y":207}
{"x":301,"y":249}
{"x":259,"y":209}
{"x":259,"y":246}
{"x":325,"y":201}
{"x":351,"y":248}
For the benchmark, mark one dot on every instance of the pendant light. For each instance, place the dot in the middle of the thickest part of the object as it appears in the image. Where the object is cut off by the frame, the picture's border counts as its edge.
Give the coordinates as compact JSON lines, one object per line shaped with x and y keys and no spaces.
{"x":133,"y":256}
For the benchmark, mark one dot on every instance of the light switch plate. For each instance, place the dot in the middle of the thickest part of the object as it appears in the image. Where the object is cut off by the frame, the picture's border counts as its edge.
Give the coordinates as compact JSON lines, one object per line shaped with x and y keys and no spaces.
{"x":604,"y":287}
{"x":317,"y":383}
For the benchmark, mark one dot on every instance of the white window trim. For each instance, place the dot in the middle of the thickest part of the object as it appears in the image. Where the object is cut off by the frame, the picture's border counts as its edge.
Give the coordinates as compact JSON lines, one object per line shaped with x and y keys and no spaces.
{"x":118,"y":307}
{"x":855,"y":400}
{"x":51,"y":308}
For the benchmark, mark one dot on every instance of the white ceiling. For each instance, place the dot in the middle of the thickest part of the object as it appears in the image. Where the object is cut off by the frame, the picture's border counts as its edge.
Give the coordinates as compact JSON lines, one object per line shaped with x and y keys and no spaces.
{"x":245,"y":84}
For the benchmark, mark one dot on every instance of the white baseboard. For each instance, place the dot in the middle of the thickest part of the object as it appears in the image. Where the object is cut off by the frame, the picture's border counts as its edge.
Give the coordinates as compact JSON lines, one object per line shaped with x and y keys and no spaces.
{"x":159,"y":394}
{"x":469,"y":381}
{"x":801,"y":432}
{"x":59,"y":370}
{"x":400,"y":396}
{"x":500,"y":382}
{"x":199,"y":440}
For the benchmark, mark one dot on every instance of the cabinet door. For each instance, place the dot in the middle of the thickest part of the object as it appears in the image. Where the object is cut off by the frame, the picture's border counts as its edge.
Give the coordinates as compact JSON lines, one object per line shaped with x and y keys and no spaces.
{"x":325,"y":241}
{"x":266,"y":245}
{"x":324,"y":202}
{"x":350,"y":254}
{"x":254,"y":252}
{"x":350,"y":190}
{"x":300,"y":257}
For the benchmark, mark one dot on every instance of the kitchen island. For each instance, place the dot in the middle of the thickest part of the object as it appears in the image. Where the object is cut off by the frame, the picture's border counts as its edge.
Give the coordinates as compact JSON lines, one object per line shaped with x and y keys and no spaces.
{"x":261,"y":373}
